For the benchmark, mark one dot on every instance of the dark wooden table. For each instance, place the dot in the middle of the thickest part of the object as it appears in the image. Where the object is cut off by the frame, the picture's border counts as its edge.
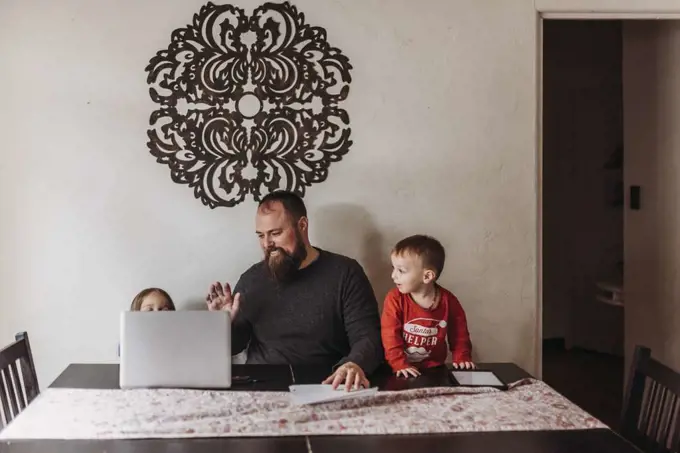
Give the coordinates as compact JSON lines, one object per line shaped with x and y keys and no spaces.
{"x":279,"y":377}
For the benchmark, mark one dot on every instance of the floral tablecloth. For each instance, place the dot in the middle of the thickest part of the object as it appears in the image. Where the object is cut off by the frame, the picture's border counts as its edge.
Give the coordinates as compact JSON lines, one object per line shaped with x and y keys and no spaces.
{"x":177,"y":413}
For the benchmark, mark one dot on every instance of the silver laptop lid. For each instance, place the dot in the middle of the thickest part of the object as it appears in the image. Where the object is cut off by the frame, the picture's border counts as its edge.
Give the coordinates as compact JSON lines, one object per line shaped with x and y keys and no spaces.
{"x":178,"y":349}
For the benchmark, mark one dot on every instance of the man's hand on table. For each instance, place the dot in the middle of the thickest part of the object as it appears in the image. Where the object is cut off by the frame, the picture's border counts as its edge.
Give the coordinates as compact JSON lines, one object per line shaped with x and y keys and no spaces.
{"x":351,"y":374}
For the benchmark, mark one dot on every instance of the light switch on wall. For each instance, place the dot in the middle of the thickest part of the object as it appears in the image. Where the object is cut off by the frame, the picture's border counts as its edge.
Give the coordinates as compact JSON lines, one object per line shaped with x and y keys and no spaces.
{"x":635,"y":197}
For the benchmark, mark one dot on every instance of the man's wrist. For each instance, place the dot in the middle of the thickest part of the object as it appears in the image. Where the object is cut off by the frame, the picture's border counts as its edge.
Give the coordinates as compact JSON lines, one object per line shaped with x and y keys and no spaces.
{"x":347,"y":361}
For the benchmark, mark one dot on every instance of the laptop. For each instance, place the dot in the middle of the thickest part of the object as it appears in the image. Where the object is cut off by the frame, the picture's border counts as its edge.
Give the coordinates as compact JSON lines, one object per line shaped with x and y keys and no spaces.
{"x":175,"y":349}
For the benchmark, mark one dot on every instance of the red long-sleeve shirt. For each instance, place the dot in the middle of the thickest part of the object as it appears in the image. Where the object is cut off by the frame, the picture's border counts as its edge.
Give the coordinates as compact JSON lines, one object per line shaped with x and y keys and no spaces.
{"x":415,"y":337}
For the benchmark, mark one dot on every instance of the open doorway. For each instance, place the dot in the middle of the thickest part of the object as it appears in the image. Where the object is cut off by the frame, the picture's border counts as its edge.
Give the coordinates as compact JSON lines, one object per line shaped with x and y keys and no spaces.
{"x":610,"y":210}
{"x":583,"y":213}
{"x":610,"y":160}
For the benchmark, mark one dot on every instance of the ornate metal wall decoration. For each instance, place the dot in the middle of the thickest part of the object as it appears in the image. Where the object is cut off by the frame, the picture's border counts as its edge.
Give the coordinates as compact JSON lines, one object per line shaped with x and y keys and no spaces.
{"x":248,"y":104}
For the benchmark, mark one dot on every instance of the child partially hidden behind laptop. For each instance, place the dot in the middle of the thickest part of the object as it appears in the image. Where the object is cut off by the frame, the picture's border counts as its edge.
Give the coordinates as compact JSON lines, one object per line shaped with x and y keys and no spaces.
{"x":419,"y":315}
{"x":152,"y":299}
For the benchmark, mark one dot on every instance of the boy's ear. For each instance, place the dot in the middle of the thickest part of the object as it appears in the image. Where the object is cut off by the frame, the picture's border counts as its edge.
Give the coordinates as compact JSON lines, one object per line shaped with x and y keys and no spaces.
{"x":429,"y":276}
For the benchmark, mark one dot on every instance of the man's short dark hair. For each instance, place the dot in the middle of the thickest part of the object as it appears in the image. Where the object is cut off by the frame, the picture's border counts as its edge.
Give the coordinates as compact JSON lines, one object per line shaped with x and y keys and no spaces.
{"x":428,"y":249}
{"x":291,"y":202}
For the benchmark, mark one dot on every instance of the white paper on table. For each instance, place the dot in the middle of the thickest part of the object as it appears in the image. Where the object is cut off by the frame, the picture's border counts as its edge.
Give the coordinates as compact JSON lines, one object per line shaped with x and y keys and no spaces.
{"x":323,"y":393}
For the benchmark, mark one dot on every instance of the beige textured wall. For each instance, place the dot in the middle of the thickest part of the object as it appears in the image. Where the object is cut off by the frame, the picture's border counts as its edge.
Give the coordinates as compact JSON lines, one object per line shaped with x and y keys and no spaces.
{"x":651,"y":59}
{"x":582,"y":231}
{"x":443,"y":116}
{"x":443,"y":112}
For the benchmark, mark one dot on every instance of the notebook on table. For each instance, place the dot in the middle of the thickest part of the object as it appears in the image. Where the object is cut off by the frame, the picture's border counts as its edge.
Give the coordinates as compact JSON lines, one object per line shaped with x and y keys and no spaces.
{"x":324,"y":393}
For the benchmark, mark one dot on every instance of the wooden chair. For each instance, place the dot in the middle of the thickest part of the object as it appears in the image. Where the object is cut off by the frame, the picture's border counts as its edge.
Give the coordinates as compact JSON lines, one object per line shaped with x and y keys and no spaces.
{"x":650,"y":417}
{"x":18,"y":380}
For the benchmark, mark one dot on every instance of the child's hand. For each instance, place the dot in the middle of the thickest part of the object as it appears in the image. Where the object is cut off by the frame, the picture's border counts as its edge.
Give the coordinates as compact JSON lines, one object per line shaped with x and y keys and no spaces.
{"x":408,"y":371}
{"x":464,"y":365}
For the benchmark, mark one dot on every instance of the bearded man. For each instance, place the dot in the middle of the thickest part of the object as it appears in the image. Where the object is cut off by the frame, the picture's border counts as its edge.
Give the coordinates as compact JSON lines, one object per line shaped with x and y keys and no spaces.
{"x":302,"y":305}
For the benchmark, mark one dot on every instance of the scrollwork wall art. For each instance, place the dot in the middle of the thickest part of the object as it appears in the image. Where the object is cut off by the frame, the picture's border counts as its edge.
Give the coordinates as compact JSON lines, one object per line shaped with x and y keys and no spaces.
{"x":247,"y":104}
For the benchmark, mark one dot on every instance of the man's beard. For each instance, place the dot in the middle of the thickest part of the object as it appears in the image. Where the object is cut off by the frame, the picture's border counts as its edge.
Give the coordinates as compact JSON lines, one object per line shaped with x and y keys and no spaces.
{"x":284,"y":266}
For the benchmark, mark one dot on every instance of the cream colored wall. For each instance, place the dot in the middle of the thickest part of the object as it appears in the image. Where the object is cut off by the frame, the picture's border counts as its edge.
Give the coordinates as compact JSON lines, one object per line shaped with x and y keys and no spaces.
{"x":651,"y":61}
{"x":443,"y":109}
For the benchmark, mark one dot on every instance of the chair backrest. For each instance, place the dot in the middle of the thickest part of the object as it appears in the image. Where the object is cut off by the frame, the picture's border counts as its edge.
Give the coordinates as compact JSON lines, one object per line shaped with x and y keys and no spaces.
{"x":18,"y":380}
{"x":650,"y":416}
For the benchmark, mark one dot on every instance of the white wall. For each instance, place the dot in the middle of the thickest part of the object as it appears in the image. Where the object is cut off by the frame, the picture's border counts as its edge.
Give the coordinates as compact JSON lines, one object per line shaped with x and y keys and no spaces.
{"x":443,"y":116}
{"x":651,"y":61}
{"x":442,"y":120}
{"x":582,"y":230}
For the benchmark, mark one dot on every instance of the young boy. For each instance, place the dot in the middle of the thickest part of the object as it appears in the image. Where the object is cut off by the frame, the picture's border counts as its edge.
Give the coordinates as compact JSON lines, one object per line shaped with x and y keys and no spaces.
{"x":419,"y":315}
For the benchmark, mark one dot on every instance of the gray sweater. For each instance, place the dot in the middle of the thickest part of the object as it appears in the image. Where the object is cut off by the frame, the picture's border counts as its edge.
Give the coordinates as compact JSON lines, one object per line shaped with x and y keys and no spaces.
{"x":327,"y":315}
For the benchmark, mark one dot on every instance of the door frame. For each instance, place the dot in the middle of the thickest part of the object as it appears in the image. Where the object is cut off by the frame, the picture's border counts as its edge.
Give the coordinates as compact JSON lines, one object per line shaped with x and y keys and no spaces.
{"x":555,"y":10}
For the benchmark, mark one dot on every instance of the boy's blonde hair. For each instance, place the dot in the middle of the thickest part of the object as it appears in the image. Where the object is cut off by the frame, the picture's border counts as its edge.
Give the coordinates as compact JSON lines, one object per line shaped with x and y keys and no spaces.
{"x":136,"y":304}
{"x":429,"y":250}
